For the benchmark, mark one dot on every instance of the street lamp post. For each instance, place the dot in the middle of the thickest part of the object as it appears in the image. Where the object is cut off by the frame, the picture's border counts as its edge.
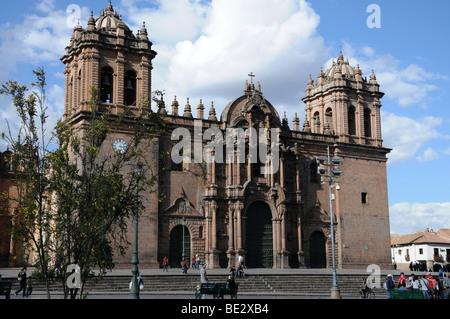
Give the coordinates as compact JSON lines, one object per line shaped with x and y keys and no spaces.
{"x":134,"y":291}
{"x":332,"y":173}
{"x":183,"y":223}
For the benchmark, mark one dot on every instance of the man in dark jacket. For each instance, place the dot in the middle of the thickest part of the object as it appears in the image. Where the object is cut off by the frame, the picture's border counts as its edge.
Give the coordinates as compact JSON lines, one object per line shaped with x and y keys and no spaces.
{"x":22,"y":281}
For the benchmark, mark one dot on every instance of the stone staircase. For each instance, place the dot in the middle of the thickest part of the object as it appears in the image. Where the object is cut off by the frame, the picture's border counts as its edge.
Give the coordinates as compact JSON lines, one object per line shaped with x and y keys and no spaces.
{"x":266,"y":284}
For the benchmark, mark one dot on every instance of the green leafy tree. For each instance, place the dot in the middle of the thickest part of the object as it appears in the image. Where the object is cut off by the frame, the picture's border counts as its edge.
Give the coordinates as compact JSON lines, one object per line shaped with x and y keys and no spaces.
{"x":32,"y":221}
{"x":75,"y":202}
{"x":97,"y":191}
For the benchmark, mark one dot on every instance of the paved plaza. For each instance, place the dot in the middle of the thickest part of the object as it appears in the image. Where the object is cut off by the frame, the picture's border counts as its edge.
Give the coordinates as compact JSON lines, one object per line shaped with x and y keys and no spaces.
{"x":186,"y":295}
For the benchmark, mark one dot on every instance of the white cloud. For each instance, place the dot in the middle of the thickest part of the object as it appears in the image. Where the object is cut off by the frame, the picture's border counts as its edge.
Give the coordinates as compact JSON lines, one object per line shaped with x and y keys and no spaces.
{"x":168,"y":22}
{"x":39,"y":39}
{"x":407,"y":86}
{"x":406,"y":218}
{"x":447,"y":151}
{"x":406,"y":135}
{"x":279,"y":44}
{"x":428,"y":155}
{"x":46,"y":5}
{"x":368,"y":51}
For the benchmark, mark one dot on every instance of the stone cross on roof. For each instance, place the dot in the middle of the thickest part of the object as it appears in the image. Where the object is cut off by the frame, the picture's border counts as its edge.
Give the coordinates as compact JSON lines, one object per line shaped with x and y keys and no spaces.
{"x":251,"y":75}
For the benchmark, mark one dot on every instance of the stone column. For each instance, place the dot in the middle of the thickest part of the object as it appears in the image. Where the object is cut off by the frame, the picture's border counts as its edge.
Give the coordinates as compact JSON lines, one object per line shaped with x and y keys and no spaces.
{"x":145,"y":86}
{"x":239,"y":244}
{"x":208,"y":234}
{"x":94,"y":70}
{"x":301,"y":253}
{"x":119,"y":90}
{"x":284,"y":252}
{"x":214,"y":252}
{"x":275,"y":242}
{"x":230,"y":251}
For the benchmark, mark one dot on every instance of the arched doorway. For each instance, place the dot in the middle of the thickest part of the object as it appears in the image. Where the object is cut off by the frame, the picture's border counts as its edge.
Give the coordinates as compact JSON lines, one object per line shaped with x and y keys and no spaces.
{"x":259,"y":236}
{"x":176,"y":246}
{"x":318,"y":257}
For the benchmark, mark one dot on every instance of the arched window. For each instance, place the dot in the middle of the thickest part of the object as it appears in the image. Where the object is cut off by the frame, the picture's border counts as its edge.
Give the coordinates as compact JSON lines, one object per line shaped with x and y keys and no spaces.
{"x":130,"y":88}
{"x":107,"y":85}
{"x":367,"y":122}
{"x":351,"y":121}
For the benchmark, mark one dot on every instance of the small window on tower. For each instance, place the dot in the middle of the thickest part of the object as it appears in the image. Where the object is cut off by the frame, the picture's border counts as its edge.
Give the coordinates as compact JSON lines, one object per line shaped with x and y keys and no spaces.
{"x":364,"y":198}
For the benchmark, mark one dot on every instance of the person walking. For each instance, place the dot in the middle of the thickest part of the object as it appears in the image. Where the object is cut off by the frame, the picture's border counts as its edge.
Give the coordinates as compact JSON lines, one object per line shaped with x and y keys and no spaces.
{"x":29,"y":286}
{"x":184,"y":266}
{"x":197,"y":261}
{"x":203,"y":277}
{"x":140,"y":281}
{"x":22,"y":276}
{"x":165,"y":264}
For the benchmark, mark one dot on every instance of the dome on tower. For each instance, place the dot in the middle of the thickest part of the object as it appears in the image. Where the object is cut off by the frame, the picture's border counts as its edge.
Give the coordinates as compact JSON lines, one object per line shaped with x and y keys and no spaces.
{"x":110,"y":20}
{"x":343,"y":66}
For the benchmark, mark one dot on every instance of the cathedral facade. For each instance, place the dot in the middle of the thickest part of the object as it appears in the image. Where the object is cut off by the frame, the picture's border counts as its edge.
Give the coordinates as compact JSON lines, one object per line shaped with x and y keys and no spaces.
{"x":279,"y":218}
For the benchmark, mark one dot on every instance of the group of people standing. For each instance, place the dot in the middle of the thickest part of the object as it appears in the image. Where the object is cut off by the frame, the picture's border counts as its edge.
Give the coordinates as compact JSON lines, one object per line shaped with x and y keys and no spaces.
{"x":184,"y":264}
{"x":430,"y":286}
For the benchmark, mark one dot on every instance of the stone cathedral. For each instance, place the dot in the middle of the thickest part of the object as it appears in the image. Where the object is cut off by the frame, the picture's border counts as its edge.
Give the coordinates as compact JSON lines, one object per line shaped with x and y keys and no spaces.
{"x":279,"y":220}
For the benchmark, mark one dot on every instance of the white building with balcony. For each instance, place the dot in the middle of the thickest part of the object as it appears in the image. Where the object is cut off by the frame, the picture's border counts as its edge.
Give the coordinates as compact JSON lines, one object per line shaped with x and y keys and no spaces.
{"x":426,"y":247}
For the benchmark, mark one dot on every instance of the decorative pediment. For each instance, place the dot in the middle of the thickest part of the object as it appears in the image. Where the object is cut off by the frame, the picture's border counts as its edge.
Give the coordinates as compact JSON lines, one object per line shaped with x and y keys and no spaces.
{"x":252,"y":106}
{"x":182,"y":207}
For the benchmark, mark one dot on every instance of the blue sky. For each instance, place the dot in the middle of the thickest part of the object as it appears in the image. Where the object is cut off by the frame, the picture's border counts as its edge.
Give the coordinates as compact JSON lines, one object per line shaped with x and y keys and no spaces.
{"x":207,"y":48}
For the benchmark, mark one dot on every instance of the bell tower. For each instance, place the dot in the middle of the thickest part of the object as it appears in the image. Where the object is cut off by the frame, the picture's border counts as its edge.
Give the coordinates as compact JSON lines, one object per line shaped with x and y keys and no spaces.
{"x":345,"y":104}
{"x":108,"y":56}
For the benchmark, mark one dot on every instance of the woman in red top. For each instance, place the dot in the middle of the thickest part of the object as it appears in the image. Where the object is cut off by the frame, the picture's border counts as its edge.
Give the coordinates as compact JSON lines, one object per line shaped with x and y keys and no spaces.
{"x":402,"y":281}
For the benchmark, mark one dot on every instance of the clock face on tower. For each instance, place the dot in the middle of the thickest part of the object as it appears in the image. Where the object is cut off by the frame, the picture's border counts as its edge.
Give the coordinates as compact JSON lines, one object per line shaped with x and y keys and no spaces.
{"x":120,"y":146}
